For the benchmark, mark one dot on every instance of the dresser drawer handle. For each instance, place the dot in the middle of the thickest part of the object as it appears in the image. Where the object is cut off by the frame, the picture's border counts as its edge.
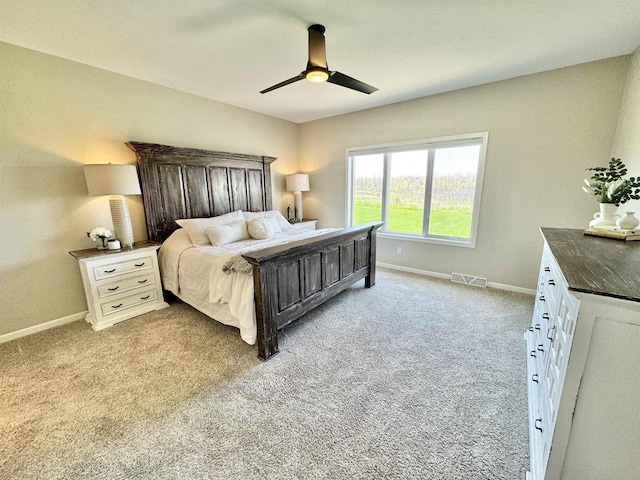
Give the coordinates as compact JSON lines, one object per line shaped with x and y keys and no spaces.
{"x":549,"y":330}
{"x":537,"y":326}
{"x":542,"y":298}
{"x":547,"y":269}
{"x":541,"y":347}
{"x":139,"y":264}
{"x":533,"y":354}
{"x":144,"y":298}
{"x":143,"y":281}
{"x":534,"y":377}
{"x":114,"y":288}
{"x":110,"y":271}
{"x":530,"y":329}
{"x":552,"y":282}
{"x":116,"y":306}
{"x":545,"y":316}
{"x":536,"y":424}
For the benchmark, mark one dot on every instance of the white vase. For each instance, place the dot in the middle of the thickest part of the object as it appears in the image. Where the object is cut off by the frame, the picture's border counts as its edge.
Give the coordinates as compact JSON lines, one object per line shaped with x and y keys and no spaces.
{"x":606,"y":217}
{"x":628,"y":222}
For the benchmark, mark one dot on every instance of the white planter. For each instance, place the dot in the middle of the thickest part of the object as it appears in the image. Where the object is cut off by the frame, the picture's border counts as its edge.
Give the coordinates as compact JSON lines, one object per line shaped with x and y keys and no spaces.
{"x":606,"y":217}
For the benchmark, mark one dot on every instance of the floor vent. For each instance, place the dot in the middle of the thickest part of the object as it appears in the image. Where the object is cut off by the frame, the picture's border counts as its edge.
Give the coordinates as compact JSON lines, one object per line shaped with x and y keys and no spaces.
{"x":469,"y":280}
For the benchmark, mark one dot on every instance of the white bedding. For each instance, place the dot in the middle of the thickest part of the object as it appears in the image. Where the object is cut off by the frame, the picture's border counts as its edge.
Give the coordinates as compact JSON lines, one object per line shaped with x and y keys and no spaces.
{"x":194,"y":273}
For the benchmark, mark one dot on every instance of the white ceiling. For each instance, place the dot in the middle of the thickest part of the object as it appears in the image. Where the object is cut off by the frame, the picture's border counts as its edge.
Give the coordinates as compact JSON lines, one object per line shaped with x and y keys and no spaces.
{"x":229,"y":50}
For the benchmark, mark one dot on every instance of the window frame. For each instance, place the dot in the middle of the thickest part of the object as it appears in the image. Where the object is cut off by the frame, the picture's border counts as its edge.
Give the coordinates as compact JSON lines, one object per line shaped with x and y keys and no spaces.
{"x":431,"y":144}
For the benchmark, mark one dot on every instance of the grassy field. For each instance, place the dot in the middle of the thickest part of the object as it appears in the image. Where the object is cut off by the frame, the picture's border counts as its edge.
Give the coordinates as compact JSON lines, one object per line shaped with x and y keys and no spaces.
{"x":450,"y":220}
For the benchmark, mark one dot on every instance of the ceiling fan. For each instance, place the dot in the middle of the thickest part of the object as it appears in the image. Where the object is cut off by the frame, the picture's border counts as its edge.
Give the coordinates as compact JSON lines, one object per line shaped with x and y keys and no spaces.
{"x":317,"y":69}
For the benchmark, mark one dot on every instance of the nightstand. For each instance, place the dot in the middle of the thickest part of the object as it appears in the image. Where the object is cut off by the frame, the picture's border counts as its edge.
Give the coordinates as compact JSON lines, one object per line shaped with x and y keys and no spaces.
{"x":306,"y":224}
{"x":120,"y":284}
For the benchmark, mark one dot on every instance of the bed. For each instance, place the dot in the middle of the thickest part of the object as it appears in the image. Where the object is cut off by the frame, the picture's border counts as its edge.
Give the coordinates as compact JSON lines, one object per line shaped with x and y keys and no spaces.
{"x":287,"y":280}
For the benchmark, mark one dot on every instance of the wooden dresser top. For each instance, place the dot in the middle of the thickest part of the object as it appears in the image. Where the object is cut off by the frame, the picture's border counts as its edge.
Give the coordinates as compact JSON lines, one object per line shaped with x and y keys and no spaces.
{"x":94,"y":252}
{"x":600,"y":266}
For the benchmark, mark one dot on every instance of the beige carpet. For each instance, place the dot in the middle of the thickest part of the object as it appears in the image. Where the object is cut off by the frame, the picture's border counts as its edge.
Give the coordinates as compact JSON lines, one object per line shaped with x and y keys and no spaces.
{"x":414,"y":378}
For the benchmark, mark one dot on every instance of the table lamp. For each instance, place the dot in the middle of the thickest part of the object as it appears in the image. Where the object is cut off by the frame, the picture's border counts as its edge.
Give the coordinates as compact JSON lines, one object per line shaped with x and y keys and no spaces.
{"x":298,"y":183}
{"x":115,"y":180}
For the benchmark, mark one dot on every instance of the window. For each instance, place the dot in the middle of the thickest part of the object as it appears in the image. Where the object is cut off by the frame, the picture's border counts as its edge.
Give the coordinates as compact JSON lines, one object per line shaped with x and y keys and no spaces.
{"x":426,"y":189}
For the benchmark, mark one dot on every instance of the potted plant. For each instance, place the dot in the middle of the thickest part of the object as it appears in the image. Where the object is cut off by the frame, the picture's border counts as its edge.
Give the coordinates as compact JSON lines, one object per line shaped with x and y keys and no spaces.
{"x":611,"y":189}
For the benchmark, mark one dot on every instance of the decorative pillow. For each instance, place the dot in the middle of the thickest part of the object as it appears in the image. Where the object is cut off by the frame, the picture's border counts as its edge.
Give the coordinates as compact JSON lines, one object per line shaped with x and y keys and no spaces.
{"x":261,"y":228}
{"x":195,"y":226}
{"x":229,"y":233}
{"x":280,"y":221}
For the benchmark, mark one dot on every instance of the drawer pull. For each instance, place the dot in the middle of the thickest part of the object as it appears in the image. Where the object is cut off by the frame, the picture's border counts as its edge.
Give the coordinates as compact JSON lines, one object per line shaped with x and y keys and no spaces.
{"x":549,"y":330}
{"x":536,"y":424}
{"x":139,"y":264}
{"x":542,"y":298}
{"x":534,"y":377}
{"x":533,"y":353}
{"x":144,"y":298}
{"x":110,"y":271}
{"x":531,"y":329}
{"x":116,"y":306}
{"x":537,"y":326}
{"x":552,"y":282}
{"x":545,"y":316}
{"x":114,"y":288}
{"x":547,"y":269}
{"x":541,"y":347}
{"x":143,"y":281}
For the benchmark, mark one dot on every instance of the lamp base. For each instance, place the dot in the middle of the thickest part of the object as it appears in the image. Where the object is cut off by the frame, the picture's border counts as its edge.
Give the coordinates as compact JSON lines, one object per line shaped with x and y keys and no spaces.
{"x":297,"y":203}
{"x":121,"y":220}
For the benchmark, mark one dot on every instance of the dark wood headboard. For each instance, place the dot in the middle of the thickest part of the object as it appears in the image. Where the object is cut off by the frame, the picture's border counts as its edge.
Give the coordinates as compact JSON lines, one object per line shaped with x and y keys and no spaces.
{"x":191,"y":183}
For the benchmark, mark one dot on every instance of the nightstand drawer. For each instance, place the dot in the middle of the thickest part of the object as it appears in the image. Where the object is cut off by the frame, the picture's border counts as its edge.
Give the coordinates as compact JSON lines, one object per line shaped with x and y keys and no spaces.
{"x":115,"y":269}
{"x":120,"y":304}
{"x":125,"y":284}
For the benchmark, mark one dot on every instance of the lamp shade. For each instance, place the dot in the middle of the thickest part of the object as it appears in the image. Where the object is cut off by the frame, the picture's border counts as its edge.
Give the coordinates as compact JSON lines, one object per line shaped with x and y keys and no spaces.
{"x":298,"y":182}
{"x":110,"y":179}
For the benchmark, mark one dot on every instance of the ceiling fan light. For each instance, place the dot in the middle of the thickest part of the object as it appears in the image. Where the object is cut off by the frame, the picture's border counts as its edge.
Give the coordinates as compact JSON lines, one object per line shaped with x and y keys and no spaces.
{"x":317,"y":76}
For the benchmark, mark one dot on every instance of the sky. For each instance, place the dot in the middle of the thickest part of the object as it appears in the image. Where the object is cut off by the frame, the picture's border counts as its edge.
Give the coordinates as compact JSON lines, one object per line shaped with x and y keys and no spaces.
{"x":448,"y":161}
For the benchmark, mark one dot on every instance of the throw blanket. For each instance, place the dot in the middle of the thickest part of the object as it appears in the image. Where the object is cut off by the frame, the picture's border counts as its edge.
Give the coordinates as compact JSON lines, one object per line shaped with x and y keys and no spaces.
{"x":237,"y":263}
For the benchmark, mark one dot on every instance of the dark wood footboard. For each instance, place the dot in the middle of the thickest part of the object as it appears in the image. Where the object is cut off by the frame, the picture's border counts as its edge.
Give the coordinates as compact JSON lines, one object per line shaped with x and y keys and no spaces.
{"x":292,"y":279}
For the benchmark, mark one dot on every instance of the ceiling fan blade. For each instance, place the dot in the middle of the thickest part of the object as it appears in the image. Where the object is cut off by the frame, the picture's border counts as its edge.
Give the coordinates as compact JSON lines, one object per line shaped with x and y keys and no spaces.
{"x":349,"y":82}
{"x":286,"y":82}
{"x":317,"y":48}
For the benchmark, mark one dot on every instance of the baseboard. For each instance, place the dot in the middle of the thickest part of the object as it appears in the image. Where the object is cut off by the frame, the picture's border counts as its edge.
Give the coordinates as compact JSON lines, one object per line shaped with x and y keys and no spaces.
{"x":511,"y":288}
{"x":7,"y":337}
{"x":499,"y":286}
{"x":417,"y":271}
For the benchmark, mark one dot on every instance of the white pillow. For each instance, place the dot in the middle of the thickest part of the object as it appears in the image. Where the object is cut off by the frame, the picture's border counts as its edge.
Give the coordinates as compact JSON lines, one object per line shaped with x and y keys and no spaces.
{"x":280,"y":220}
{"x":261,"y":228}
{"x":223,"y":234}
{"x":195,"y":226}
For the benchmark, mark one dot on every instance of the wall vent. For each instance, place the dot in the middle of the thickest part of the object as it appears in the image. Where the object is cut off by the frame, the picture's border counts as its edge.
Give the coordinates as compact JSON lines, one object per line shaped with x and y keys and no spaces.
{"x":468,"y":279}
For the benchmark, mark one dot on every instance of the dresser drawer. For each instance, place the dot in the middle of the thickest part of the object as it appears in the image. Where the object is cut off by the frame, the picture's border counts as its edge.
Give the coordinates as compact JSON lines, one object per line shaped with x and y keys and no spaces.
{"x":107,"y":289}
{"x":122,"y":303}
{"x":114,"y":269}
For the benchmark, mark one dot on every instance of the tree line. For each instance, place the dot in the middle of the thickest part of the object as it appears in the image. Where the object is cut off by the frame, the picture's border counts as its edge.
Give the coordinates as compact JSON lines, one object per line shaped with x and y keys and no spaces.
{"x":454,"y":188}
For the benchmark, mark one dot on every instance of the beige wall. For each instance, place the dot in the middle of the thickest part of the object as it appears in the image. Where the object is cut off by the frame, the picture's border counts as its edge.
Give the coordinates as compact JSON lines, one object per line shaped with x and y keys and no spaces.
{"x":545,"y":129}
{"x":56,"y":115}
{"x":626,"y":144}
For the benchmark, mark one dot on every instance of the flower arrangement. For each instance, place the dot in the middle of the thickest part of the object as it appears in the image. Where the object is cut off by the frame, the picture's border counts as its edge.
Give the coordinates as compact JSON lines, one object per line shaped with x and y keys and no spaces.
{"x":100,"y":233}
{"x":608,"y":184}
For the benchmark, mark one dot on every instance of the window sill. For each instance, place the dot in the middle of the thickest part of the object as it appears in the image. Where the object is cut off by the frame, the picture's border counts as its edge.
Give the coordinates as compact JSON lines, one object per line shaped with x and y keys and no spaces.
{"x":438,"y":241}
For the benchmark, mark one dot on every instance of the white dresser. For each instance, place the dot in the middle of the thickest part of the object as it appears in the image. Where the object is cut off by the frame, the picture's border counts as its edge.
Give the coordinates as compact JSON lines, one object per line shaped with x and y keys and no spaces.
{"x":120,"y":284}
{"x":583,"y":359}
